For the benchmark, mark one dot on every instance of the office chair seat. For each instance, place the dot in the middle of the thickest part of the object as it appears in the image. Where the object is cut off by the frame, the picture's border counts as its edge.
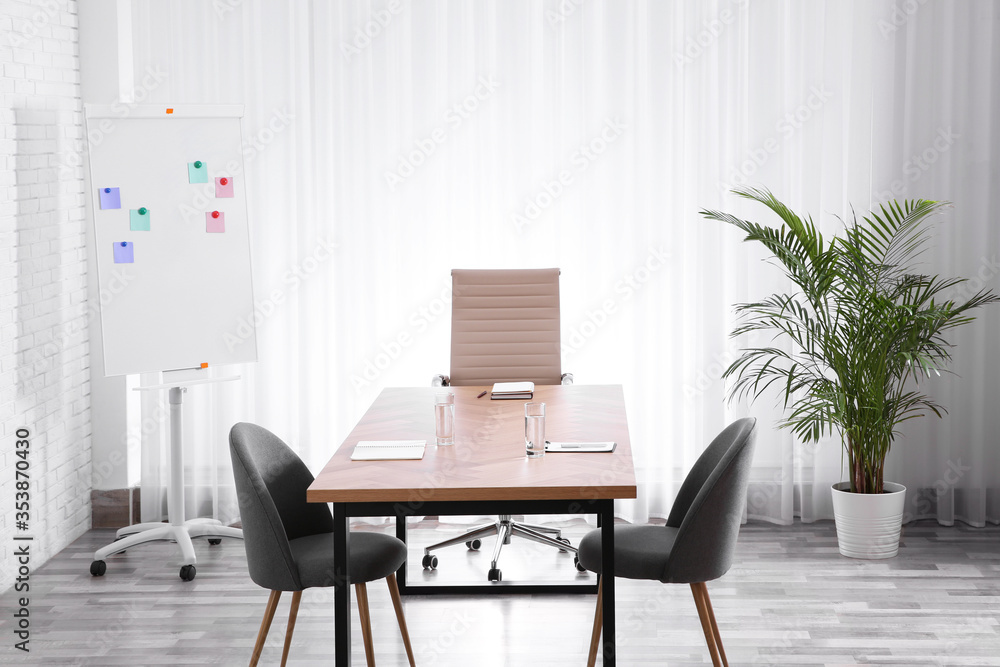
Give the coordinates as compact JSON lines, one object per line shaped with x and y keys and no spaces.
{"x":372,"y":556}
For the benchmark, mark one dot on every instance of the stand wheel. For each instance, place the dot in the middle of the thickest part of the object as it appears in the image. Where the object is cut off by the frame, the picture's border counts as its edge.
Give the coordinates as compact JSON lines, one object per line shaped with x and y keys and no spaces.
{"x":564,"y":541}
{"x":474,"y":545}
{"x":494,"y":574}
{"x":188,"y":572}
{"x":214,"y":540}
{"x":98,"y":568}
{"x":579,"y":568}
{"x":430,"y":562}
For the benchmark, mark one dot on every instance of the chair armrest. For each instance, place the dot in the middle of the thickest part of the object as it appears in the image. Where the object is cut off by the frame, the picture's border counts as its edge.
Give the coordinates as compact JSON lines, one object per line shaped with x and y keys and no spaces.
{"x":440,"y":381}
{"x":567,"y":378}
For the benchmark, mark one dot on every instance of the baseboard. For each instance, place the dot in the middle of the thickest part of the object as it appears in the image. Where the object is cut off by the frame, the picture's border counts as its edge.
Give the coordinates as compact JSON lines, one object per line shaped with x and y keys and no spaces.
{"x":114,"y":508}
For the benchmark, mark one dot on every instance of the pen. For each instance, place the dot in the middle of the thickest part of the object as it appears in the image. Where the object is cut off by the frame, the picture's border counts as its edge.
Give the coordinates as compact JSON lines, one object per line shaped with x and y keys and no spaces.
{"x":482,"y":394}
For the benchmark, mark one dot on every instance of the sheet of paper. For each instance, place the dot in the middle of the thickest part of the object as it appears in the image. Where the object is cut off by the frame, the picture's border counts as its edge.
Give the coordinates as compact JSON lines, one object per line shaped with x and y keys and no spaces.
{"x":124,"y":252}
{"x":197,"y":172}
{"x":138,"y":219}
{"x":215,"y":222}
{"x":110,"y":198}
{"x":224,"y":186}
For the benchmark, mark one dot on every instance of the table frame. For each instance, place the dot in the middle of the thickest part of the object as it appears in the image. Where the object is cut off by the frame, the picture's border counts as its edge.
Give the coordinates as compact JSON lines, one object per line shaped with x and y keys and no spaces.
{"x":344,"y":511}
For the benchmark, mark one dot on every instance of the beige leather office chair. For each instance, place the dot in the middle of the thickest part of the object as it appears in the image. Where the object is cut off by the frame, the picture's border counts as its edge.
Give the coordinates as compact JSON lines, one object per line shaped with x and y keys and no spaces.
{"x":504,"y":328}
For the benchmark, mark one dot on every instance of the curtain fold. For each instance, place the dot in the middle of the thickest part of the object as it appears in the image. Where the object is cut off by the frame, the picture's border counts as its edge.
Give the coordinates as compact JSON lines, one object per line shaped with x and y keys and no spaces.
{"x":389,"y":142}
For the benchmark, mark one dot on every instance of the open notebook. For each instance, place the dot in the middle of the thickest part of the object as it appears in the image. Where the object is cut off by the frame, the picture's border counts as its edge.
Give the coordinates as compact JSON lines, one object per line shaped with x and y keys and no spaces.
{"x":388,"y":450}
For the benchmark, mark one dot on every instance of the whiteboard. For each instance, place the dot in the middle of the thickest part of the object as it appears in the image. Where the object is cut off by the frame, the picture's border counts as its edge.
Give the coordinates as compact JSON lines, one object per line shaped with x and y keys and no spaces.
{"x":186,"y":297}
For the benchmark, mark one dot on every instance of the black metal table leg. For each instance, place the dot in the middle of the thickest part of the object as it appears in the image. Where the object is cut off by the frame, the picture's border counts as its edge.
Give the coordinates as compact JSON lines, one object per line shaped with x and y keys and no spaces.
{"x":401,"y":536}
{"x":608,"y":568}
{"x":342,"y":590}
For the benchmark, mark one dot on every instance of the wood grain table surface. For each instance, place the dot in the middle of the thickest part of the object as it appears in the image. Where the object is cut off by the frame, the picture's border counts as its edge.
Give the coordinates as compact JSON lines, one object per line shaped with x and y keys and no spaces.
{"x":487,"y":461}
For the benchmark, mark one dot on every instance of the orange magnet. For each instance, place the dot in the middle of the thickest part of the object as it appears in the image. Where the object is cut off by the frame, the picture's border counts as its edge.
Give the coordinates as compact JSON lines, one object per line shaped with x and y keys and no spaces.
{"x":204,"y":364}
{"x":170,"y":110}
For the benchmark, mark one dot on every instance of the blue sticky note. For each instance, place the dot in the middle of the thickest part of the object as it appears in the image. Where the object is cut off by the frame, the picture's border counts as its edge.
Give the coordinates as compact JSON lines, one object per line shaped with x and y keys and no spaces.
{"x":110,"y":198}
{"x":197,"y":172}
{"x":138,"y":219}
{"x":124,"y":252}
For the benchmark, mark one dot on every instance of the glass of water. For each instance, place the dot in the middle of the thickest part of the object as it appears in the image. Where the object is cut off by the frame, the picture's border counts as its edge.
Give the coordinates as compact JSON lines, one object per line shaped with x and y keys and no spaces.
{"x":534,"y":429}
{"x":444,"y":418}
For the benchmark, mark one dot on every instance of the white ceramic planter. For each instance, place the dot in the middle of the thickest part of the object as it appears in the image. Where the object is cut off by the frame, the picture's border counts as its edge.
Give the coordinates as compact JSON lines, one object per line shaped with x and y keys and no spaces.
{"x":868,"y":524}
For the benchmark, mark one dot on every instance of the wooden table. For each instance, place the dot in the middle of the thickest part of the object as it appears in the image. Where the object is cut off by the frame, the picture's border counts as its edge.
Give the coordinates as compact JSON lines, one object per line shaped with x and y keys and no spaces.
{"x":484,"y":472}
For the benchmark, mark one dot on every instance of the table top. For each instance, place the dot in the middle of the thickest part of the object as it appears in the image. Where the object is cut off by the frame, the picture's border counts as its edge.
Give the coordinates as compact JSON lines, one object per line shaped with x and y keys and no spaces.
{"x":487,"y":461}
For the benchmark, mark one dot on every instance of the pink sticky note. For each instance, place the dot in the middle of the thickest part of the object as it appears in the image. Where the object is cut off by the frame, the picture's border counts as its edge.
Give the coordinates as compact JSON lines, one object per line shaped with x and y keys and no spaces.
{"x":224,"y":186}
{"x":215,"y":221}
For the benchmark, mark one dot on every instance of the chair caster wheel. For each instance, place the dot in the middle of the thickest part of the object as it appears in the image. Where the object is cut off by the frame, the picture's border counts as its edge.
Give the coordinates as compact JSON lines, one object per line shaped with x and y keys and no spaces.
{"x":98,"y":568}
{"x":494,"y":574}
{"x":188,"y":572}
{"x":430,"y":562}
{"x":474,"y":545}
{"x":214,"y":540}
{"x":564,"y":541}
{"x":579,"y":568}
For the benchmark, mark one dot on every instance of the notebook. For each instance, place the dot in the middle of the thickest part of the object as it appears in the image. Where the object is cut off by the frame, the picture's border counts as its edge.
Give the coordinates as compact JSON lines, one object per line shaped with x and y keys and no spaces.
{"x":512,"y":390}
{"x":388,"y":450}
{"x":580,"y":446}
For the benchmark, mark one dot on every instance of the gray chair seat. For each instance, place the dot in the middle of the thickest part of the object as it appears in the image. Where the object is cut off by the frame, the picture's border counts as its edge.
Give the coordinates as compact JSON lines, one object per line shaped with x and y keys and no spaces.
{"x":373,"y":556}
{"x":641,"y":552}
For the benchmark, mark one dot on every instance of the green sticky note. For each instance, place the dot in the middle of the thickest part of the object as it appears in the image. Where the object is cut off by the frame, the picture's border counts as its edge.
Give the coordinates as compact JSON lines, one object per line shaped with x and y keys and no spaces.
{"x":138,"y":219}
{"x":197,"y":172}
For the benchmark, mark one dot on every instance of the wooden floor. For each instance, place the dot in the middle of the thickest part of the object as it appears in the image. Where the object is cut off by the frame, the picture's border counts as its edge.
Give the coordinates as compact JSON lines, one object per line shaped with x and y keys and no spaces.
{"x":790,"y":599}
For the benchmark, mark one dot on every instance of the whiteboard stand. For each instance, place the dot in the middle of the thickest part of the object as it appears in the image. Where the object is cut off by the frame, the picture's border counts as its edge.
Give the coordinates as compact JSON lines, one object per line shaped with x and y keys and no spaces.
{"x":177,"y":530}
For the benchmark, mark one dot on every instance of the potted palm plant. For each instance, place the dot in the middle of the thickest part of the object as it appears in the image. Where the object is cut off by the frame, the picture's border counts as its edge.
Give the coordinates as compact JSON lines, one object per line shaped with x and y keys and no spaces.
{"x":862,"y":328}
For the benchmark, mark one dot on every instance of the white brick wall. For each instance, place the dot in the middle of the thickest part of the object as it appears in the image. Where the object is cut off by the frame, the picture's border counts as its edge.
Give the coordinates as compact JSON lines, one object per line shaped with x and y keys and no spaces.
{"x":44,"y":359}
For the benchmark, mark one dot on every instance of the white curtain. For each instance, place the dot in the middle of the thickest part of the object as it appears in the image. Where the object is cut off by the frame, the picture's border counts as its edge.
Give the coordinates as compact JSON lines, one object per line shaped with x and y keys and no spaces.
{"x":388,"y":142}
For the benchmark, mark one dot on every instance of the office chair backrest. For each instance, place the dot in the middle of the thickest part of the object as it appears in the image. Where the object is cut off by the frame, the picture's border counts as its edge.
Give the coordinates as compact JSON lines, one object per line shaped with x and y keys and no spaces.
{"x":709,"y":508}
{"x":505,"y":326}
{"x":271,"y":483}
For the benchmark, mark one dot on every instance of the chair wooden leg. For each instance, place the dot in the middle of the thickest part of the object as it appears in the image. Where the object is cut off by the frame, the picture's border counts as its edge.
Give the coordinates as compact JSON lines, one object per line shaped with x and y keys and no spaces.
{"x":397,"y":604}
{"x":292,"y":613}
{"x":366,"y":623}
{"x":699,"y":592}
{"x":595,"y":636}
{"x":715,"y":626}
{"x":265,"y":625}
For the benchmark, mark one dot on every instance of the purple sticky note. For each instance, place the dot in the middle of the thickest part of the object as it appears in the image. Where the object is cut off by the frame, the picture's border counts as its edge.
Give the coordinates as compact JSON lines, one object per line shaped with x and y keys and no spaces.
{"x":111,"y":198}
{"x":224,"y":186}
{"x":124,"y":252}
{"x":215,"y":221}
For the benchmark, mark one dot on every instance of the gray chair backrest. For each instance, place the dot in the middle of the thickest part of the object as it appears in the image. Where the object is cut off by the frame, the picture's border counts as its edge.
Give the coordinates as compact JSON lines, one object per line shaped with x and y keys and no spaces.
{"x":709,"y":507}
{"x":271,"y":483}
{"x":505,"y":326}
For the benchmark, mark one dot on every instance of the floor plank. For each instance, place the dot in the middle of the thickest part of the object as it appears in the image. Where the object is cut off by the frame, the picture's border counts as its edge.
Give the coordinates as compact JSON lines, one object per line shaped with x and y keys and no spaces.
{"x":790,"y":599}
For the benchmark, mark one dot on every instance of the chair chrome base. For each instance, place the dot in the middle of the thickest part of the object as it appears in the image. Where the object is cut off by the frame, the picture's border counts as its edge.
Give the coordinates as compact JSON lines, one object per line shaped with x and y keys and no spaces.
{"x":504,"y":528}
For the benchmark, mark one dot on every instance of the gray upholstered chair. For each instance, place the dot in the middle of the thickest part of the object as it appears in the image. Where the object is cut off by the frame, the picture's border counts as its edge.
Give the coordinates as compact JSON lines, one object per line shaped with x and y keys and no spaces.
{"x":699,"y":540}
{"x":289,"y":542}
{"x":504,"y":328}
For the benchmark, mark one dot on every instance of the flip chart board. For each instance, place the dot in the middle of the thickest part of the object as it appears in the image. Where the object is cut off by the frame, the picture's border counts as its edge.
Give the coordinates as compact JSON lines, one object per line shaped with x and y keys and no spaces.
{"x":175,"y":279}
